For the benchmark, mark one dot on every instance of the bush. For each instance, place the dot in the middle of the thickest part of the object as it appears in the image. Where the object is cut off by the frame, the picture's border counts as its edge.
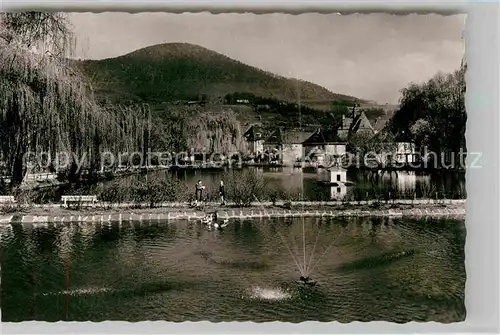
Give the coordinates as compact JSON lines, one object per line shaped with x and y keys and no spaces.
{"x":158,"y":190}
{"x":245,"y":187}
{"x":275,"y":193}
{"x":114,"y":191}
{"x":153,"y":191}
{"x":4,"y":188}
{"x":428,"y":191}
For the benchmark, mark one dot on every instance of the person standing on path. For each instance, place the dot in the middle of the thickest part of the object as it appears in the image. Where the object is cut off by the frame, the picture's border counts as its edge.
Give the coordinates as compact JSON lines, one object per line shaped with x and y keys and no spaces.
{"x":199,"y":192}
{"x":222,"y":193}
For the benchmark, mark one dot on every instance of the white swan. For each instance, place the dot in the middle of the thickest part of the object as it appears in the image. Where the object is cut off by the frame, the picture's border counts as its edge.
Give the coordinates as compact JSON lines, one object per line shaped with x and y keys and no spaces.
{"x":207,"y":219}
{"x":222,"y":225}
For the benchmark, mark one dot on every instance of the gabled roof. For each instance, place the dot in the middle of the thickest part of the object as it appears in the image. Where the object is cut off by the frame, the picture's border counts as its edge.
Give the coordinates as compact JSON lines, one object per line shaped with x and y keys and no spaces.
{"x":361,"y":122}
{"x":254,"y":133}
{"x":380,"y":124}
{"x":351,"y":126}
{"x":323,"y":137}
{"x":288,"y":137}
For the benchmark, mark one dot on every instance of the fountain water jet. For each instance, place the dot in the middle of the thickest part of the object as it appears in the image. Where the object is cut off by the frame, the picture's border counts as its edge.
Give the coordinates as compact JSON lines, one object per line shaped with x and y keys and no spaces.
{"x":307,"y":266}
{"x":297,"y":263}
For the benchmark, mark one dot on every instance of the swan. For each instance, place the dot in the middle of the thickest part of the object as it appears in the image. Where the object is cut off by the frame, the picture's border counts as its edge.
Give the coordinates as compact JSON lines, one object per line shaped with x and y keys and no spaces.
{"x":222,"y":225}
{"x":207,"y":219}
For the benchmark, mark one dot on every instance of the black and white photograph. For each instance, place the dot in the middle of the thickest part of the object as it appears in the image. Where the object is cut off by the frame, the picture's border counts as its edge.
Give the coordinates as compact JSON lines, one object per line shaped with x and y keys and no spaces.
{"x":233,"y":167}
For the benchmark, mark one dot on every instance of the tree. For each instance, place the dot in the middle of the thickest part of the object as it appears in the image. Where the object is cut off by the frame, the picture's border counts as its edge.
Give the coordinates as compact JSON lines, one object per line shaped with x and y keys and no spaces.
{"x":41,"y":98}
{"x":379,"y":149}
{"x":215,"y":131}
{"x":339,"y":110}
{"x":434,"y":112}
{"x":421,"y":131}
{"x":46,"y":104}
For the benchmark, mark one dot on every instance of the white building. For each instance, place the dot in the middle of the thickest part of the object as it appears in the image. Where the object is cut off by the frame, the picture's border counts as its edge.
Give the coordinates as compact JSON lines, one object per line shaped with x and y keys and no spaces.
{"x":254,"y":139}
{"x":338,"y":175}
{"x":324,"y":148}
{"x":405,"y":153}
{"x":288,"y":144}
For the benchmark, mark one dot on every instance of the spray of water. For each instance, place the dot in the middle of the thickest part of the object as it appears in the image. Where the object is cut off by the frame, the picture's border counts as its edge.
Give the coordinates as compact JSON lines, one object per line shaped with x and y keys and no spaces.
{"x":273,"y":294}
{"x":283,"y":240}
{"x":301,"y":269}
{"x":79,"y":291}
{"x":307,"y":267}
{"x":311,"y":268}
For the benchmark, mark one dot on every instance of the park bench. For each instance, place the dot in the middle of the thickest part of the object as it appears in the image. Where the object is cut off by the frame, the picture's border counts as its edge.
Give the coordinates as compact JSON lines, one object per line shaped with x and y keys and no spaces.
{"x":31,"y":177}
{"x":79,"y":200}
{"x":7,"y":199}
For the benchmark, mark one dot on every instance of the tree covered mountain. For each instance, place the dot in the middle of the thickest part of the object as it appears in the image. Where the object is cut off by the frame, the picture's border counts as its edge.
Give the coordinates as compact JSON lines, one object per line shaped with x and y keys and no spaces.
{"x":181,"y":71}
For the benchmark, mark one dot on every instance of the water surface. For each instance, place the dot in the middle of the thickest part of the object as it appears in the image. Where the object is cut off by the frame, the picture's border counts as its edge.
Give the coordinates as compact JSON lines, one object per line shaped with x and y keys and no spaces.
{"x":305,"y":182}
{"x":367,"y":269}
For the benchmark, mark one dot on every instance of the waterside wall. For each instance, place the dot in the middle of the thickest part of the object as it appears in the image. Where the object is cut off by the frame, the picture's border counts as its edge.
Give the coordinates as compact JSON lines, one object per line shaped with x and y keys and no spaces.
{"x":456,"y":210}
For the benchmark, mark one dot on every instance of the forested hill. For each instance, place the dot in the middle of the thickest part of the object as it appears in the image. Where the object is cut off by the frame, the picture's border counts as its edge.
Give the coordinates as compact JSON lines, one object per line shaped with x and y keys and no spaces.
{"x":181,"y":71}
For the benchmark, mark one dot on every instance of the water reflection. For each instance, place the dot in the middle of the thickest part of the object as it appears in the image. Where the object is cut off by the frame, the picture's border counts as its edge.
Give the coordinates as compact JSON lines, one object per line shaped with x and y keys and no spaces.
{"x":406,"y":181}
{"x":289,"y":178}
{"x":307,"y":182}
{"x":338,"y":192}
{"x":176,"y":271}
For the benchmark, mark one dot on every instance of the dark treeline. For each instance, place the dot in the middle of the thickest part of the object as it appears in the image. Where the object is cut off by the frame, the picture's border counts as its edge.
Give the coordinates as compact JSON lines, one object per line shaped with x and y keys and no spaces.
{"x":286,"y":114}
{"x":433,"y":113}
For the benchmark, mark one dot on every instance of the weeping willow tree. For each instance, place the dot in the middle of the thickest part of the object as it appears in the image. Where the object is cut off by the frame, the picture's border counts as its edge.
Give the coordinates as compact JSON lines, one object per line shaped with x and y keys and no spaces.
{"x":185,"y":128}
{"x":46,"y":105}
{"x":130,"y":130}
{"x":215,"y":132}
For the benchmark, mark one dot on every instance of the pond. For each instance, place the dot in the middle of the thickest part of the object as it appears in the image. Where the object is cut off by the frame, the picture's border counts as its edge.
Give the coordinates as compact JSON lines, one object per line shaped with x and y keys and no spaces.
{"x":367,"y":269}
{"x":298,"y":184}
{"x":306,"y":183}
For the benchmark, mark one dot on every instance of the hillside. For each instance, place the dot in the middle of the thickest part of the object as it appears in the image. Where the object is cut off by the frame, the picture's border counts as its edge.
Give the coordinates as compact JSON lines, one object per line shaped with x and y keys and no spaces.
{"x":180,"y":71}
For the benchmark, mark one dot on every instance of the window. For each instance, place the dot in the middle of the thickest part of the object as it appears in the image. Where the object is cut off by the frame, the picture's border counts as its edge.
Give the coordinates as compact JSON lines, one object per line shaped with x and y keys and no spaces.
{"x":338,"y":189}
{"x":338,"y":177}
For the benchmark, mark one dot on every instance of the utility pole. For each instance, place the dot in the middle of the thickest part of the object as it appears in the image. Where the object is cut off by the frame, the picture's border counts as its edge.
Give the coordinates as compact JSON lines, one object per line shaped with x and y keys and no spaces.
{"x":298,"y":103}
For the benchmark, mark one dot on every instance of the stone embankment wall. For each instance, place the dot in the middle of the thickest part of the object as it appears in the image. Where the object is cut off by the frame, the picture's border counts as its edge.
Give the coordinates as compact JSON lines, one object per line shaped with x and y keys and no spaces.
{"x":441,"y":208}
{"x":127,"y":205}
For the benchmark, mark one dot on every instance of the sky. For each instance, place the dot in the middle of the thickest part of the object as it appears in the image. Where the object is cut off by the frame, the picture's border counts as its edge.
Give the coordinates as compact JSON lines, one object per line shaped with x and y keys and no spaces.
{"x":370,"y":56}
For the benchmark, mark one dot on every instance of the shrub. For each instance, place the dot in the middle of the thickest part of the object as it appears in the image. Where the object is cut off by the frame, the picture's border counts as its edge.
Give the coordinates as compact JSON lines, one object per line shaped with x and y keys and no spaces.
{"x":275,"y":192}
{"x":245,"y":187}
{"x":153,"y":191}
{"x":24,"y":196}
{"x":113,"y":192}
{"x":427,"y":190}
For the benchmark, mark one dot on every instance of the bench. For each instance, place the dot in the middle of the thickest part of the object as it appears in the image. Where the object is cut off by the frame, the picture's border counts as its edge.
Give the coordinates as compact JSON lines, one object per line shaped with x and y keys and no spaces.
{"x":40,"y":176}
{"x":7,"y":199}
{"x":79,"y":200}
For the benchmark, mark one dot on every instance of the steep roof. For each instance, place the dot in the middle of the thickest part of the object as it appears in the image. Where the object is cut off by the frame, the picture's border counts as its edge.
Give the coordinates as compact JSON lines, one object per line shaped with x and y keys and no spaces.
{"x":361,"y":122}
{"x":254,"y":133}
{"x":323,"y":137}
{"x":288,"y":137}
{"x":353,"y":125}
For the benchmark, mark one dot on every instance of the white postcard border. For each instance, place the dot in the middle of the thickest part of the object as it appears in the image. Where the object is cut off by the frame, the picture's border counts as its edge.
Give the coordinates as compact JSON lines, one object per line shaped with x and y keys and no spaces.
{"x":483,"y":219}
